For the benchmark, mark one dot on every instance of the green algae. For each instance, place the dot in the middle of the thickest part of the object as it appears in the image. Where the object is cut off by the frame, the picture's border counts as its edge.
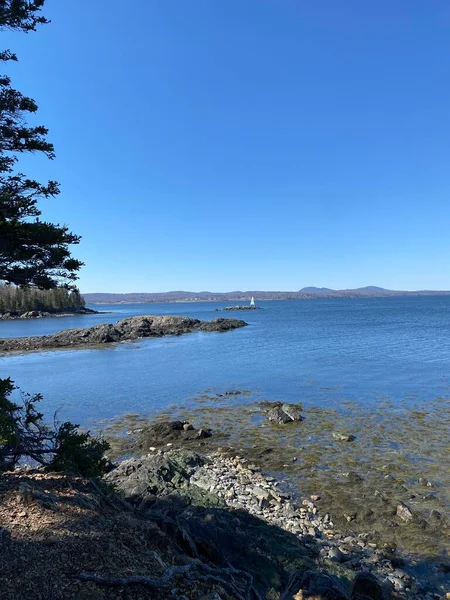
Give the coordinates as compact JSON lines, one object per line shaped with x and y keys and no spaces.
{"x":396,"y":449}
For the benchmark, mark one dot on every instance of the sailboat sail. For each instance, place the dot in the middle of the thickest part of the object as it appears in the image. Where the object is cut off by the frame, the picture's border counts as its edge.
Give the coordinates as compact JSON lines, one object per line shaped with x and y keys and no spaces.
{"x":252,"y":302}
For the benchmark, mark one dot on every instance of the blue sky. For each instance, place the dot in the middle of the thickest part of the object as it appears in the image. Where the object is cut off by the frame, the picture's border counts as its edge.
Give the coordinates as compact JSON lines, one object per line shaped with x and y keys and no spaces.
{"x":246,"y":144}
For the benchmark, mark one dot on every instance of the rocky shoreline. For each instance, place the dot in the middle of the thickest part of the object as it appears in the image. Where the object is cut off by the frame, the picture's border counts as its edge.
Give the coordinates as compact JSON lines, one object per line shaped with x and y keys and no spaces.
{"x":187,"y":525}
{"x":129,"y":329}
{"x":42,"y":314}
{"x":217,"y":498}
{"x":313,"y":456}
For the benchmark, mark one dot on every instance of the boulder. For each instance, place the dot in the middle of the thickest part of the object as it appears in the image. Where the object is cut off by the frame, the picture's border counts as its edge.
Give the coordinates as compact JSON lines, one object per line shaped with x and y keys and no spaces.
{"x":147,"y":479}
{"x":159,"y":434}
{"x":292,"y":411}
{"x":277,"y":415}
{"x":284,"y":413}
{"x":203,"y":434}
{"x":367,"y":587}
{"x":342,"y":437}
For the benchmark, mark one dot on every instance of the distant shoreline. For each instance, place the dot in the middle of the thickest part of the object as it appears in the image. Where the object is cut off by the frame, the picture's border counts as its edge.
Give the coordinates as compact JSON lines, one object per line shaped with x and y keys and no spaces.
{"x":99,"y":299}
{"x":42,"y":314}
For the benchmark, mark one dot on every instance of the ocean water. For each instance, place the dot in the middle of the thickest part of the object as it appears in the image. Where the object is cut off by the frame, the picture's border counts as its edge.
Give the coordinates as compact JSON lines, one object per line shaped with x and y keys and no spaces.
{"x":377,"y":368}
{"x":321,"y":352}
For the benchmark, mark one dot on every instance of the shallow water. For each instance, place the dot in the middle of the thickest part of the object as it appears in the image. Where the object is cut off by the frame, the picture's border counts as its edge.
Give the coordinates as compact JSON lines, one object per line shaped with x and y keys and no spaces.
{"x":398,"y":455}
{"x":320,"y":351}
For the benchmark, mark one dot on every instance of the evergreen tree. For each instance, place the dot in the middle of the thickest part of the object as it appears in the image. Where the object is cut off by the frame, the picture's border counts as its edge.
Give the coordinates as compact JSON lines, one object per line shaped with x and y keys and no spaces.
{"x":31,"y":251}
{"x":21,"y":14}
{"x":23,"y":299}
{"x":36,"y":253}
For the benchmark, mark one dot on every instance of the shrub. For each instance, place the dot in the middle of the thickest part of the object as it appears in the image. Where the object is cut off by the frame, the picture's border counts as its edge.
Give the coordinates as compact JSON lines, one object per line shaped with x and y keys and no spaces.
{"x":59,"y":448}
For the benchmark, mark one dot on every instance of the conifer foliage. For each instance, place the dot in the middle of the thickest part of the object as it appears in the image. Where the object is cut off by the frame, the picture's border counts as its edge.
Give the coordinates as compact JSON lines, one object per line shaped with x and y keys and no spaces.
{"x":32,"y":251}
{"x":33,"y":254}
{"x":23,"y":299}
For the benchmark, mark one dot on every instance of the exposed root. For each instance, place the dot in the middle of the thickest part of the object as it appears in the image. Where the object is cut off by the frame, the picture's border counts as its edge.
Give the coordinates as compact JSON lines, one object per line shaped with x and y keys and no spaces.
{"x":194,"y":571}
{"x":169,"y":574}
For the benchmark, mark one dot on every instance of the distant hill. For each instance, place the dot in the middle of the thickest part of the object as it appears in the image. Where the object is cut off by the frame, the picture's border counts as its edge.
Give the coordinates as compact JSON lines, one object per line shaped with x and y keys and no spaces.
{"x":303,"y":294}
{"x":315,"y":290}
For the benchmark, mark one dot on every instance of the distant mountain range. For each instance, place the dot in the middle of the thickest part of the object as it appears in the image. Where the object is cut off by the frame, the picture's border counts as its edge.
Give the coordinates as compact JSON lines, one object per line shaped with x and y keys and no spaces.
{"x":238,"y":296}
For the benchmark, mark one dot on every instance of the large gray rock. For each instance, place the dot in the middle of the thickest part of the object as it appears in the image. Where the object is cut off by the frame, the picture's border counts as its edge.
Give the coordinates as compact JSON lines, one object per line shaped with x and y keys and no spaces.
{"x":148,"y":478}
{"x":128,"y":329}
{"x":164,"y":432}
{"x":284,"y":413}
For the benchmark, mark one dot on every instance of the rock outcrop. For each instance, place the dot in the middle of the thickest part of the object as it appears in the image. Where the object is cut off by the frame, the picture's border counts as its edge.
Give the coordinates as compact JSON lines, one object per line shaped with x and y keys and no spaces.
{"x":241,"y":307}
{"x":182,"y":525}
{"x":225,"y":512}
{"x":42,"y":314}
{"x":132,"y":328}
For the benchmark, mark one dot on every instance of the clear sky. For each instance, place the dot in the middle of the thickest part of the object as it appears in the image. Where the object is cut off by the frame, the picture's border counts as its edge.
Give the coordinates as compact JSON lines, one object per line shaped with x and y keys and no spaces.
{"x":246,"y":144}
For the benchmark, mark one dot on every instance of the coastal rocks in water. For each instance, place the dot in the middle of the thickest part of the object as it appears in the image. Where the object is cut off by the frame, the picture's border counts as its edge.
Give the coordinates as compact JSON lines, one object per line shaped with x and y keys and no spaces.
{"x":284,"y":413}
{"x":241,"y":307}
{"x":217,"y":509}
{"x":41,"y":314}
{"x":219,"y":324}
{"x":169,"y":432}
{"x":203,"y":433}
{"x":404,"y":513}
{"x":342,"y":437}
{"x":423,"y":481}
{"x":186,"y":496}
{"x":128,"y":329}
{"x":29,"y":314}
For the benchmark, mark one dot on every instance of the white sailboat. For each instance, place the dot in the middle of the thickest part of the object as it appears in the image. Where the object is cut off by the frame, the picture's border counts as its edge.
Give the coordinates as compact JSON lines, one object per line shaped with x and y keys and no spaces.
{"x":252,"y":302}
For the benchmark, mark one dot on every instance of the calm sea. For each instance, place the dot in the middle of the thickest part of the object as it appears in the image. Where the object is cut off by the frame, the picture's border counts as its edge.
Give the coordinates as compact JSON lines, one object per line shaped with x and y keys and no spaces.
{"x":322,"y":352}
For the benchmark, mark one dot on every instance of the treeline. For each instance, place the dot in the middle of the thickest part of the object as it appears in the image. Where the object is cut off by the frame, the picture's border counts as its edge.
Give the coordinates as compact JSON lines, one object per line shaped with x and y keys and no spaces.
{"x":23,"y":299}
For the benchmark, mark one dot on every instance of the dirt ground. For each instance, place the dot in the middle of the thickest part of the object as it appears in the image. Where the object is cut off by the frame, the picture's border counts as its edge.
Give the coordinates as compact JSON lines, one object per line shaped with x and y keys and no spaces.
{"x":55,"y":527}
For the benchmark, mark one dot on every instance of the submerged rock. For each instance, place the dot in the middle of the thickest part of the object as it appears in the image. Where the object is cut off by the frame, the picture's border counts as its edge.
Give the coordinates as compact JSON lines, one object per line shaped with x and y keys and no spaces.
{"x":342,"y":437}
{"x":284,"y":413}
{"x":404,"y":513}
{"x":160,"y":434}
{"x":278,"y":415}
{"x":132,"y":328}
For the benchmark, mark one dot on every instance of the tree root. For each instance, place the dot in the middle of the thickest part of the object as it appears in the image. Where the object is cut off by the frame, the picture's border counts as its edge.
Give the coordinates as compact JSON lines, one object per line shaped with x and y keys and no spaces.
{"x":194,"y":571}
{"x":169,"y":574}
